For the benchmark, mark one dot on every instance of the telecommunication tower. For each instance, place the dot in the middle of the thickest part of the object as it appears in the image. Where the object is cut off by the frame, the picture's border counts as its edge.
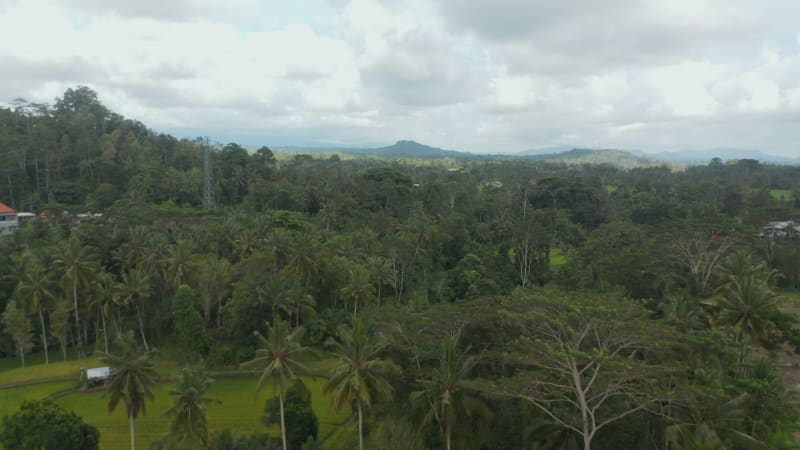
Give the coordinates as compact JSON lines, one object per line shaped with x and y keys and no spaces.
{"x":208,"y":176}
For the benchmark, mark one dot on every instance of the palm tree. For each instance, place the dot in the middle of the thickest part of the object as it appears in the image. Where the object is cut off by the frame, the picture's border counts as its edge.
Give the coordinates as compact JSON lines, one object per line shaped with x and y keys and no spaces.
{"x":277,"y":354}
{"x":59,"y":323}
{"x":358,"y":289}
{"x":361,"y":374}
{"x":175,"y":263}
{"x":105,"y":288}
{"x":380,"y":272}
{"x":133,"y":253}
{"x":132,"y":378}
{"x":246,"y":242}
{"x":749,"y":306}
{"x":190,"y":426}
{"x":77,"y":264}
{"x":745,"y":301}
{"x":35,"y":287}
{"x":135,"y":289}
{"x":444,"y":392}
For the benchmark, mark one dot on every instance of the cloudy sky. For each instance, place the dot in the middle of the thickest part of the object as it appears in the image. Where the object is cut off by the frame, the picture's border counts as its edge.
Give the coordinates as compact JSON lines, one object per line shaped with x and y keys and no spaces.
{"x":475,"y":75}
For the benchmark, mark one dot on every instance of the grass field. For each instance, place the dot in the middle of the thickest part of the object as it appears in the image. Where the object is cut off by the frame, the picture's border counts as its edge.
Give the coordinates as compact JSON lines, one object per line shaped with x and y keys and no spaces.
{"x":34,"y":359}
{"x":10,"y":399}
{"x":241,"y":409}
{"x":781,"y":194}
{"x":62,"y":369}
{"x":557,"y":257}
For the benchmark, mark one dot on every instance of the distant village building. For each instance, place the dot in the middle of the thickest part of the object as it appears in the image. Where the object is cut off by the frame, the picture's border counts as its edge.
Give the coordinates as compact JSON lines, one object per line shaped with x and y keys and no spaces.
{"x":782,"y":229}
{"x":25,"y":217}
{"x":8,"y":219}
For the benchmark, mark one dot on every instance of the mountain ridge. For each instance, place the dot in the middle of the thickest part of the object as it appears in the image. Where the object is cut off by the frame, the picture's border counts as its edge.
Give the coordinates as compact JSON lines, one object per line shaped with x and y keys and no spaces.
{"x":408,"y":148}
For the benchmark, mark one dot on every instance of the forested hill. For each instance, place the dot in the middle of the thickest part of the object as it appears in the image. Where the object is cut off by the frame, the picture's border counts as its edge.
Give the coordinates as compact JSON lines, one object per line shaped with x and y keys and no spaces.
{"x":617,"y":158}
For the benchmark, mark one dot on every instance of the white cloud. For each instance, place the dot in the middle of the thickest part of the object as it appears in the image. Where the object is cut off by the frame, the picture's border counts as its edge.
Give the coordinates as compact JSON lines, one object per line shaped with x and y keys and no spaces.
{"x":465,"y":74}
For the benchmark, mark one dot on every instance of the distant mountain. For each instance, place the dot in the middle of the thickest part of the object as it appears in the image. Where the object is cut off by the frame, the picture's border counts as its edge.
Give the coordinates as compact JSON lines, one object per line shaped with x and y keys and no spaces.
{"x":703,"y":156}
{"x":545,"y":150}
{"x":413,"y":149}
{"x":618,"y":158}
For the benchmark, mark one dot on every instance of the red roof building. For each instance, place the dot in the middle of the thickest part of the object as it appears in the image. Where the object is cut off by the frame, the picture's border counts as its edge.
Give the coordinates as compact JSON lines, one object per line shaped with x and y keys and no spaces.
{"x":6,"y":209}
{"x":8,"y":219}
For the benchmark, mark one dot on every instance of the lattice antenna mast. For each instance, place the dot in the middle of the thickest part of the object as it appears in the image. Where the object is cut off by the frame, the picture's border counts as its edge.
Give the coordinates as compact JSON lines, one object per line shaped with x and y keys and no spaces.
{"x":208,"y":176}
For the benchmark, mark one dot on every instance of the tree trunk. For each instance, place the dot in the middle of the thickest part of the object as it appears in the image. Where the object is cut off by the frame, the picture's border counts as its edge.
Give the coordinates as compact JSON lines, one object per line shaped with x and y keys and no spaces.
{"x":133,"y":431}
{"x":75,"y":299}
{"x":447,"y":434}
{"x":360,"y":428}
{"x":141,"y":329}
{"x":44,"y":335}
{"x":77,"y":336}
{"x":283,"y":420}
{"x":105,"y":330}
{"x":22,"y":353}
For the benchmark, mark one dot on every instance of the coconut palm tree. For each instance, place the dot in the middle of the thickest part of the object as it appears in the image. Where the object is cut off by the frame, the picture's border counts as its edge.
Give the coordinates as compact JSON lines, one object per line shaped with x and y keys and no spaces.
{"x":103,"y":297}
{"x":361,"y":375}
{"x":77,"y":264}
{"x":444,"y":394}
{"x":277,"y":356}
{"x":359,"y":289}
{"x":35,"y":287}
{"x":745,"y":301}
{"x":135,"y":290}
{"x":132,"y":378}
{"x":175,"y":263}
{"x":749,"y":306}
{"x":188,"y":411}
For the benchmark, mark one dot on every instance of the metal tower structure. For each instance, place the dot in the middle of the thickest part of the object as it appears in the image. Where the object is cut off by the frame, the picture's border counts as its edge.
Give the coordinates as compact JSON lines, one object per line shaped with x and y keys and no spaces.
{"x":208,"y":176}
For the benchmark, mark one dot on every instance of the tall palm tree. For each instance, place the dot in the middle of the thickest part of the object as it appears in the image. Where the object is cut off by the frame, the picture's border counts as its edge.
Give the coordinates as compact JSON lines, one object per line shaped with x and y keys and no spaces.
{"x":35,"y":287}
{"x":77,"y":264}
{"x":277,"y":356}
{"x":745,"y":301}
{"x":175,"y":263}
{"x":444,"y":393}
{"x":133,"y":253}
{"x":135,"y":290}
{"x":132,"y":378}
{"x":190,"y":426}
{"x":103,"y":297}
{"x":359,"y":289}
{"x":380,"y":272}
{"x":361,"y":375}
{"x":749,"y":306}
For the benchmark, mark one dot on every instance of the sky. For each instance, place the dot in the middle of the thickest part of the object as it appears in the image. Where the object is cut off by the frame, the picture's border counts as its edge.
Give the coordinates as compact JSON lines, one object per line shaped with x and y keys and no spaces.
{"x":471,"y":75}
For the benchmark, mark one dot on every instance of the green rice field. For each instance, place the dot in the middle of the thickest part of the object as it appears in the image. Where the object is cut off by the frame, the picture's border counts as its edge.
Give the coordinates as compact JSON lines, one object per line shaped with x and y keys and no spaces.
{"x":241,"y":408}
{"x":781,"y":194}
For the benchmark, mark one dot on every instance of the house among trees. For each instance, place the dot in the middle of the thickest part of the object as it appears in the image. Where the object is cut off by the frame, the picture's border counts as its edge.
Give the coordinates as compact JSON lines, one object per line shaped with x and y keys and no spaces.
{"x":782,"y":229}
{"x":8,"y":219}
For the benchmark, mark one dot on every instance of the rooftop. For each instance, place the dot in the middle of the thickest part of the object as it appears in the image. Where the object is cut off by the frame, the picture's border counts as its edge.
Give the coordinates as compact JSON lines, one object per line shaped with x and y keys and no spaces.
{"x":5,"y":208}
